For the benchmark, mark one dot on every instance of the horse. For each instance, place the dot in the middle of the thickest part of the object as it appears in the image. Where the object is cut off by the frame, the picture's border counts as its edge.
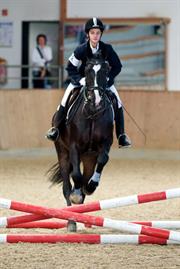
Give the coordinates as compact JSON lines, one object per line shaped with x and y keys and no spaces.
{"x":86,"y":137}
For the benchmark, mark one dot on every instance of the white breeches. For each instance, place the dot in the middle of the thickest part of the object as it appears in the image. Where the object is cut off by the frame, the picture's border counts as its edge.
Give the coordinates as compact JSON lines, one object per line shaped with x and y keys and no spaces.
{"x":82,"y":82}
{"x":66,"y":94}
{"x":113,"y":89}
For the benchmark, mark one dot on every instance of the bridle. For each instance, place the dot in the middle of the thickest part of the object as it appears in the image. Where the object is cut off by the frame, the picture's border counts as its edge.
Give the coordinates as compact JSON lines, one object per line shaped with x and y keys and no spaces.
{"x":95,"y":104}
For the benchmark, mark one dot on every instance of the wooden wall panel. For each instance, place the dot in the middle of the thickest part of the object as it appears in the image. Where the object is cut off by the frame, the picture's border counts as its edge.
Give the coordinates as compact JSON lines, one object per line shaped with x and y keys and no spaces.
{"x":158,"y":115}
{"x":25,"y":115}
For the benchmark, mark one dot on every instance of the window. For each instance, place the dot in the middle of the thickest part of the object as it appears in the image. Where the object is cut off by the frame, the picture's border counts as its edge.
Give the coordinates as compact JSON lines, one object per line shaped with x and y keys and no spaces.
{"x":141,"y":48}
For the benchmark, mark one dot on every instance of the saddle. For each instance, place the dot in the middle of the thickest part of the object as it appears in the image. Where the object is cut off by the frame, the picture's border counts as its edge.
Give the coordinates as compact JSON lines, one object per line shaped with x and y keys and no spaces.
{"x":73,"y":103}
{"x":112,"y":99}
{"x":77,"y":96}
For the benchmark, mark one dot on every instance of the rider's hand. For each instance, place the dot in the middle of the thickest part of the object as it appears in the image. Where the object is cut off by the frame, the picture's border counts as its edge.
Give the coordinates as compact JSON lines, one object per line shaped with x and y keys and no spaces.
{"x":77,"y":85}
{"x":110,"y":83}
{"x":75,"y":79}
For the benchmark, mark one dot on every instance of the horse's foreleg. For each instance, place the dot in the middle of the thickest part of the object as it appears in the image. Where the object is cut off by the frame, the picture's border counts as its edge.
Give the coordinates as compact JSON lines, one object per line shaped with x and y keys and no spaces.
{"x":102,"y":159}
{"x":67,"y":187}
{"x":76,"y":196}
{"x":64,"y":173}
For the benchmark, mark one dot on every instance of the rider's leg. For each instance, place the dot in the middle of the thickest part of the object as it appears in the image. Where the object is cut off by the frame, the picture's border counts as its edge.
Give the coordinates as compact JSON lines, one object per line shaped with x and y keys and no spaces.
{"x":59,"y":116}
{"x":123,"y":139}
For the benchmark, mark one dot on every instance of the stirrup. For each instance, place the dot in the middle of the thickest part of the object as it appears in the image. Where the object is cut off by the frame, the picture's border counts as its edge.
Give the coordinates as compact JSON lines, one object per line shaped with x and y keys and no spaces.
{"x":124,"y":141}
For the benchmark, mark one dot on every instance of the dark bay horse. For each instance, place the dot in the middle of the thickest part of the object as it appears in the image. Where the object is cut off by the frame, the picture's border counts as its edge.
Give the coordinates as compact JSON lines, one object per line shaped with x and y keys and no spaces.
{"x":84,"y":143}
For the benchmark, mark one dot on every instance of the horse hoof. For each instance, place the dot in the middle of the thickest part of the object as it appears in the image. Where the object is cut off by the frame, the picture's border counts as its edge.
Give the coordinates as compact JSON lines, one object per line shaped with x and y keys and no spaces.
{"x":72,"y":227}
{"x":90,"y":187}
{"x":75,"y":198}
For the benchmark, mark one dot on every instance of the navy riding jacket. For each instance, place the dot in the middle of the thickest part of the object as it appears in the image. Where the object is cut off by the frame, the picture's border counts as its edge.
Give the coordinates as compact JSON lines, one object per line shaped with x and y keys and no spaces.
{"x":77,"y":62}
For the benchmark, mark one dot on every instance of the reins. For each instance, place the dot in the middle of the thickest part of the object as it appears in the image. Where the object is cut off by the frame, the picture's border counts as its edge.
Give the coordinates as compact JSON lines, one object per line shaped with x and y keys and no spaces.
{"x":87,"y":101}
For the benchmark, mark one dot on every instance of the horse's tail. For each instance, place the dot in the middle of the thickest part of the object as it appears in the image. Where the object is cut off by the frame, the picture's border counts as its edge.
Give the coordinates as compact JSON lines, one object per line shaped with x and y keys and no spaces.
{"x":54,"y":174}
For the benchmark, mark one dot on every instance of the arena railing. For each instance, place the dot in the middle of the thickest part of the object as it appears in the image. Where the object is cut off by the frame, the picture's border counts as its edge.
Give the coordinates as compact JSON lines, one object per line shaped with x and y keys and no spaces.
{"x":21,"y":75}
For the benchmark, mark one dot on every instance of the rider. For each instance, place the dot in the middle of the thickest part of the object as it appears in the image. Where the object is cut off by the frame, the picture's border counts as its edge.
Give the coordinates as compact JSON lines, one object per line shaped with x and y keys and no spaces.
{"x":94,"y":29}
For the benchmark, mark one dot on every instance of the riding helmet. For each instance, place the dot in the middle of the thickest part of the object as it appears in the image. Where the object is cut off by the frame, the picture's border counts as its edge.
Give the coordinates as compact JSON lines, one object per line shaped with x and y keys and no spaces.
{"x":94,"y":23}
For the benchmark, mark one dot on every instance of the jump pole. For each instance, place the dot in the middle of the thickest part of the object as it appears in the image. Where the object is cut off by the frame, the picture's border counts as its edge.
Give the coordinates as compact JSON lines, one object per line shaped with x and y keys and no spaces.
{"x":162,"y":224}
{"x":99,"y":205}
{"x":40,"y":224}
{"x":92,"y":220}
{"x":84,"y":238}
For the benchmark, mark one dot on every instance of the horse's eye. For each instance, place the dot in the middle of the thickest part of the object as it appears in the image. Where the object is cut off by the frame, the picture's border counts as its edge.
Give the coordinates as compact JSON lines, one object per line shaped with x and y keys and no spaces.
{"x":89,"y":66}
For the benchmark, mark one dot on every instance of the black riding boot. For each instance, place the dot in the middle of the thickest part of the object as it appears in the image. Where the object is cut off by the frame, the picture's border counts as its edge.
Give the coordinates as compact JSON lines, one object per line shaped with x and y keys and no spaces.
{"x":53,"y":133}
{"x":123,"y":139}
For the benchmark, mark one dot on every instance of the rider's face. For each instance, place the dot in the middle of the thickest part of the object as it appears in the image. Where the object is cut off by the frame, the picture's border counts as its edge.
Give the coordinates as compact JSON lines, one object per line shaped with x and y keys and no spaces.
{"x":94,"y":36}
{"x":41,"y":41}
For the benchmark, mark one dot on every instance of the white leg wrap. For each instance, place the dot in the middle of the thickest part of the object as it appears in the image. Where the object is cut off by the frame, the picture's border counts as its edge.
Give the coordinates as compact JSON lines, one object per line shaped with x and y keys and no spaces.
{"x":113,"y":89}
{"x":96,"y":177}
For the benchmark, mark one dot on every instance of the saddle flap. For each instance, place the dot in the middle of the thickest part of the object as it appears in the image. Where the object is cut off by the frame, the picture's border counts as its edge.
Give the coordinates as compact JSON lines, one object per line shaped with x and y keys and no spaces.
{"x":73,"y":104}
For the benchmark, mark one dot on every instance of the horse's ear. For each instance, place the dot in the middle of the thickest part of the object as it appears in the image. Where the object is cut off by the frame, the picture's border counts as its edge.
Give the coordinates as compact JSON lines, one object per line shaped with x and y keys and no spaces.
{"x":88,"y":60}
{"x":100,"y":54}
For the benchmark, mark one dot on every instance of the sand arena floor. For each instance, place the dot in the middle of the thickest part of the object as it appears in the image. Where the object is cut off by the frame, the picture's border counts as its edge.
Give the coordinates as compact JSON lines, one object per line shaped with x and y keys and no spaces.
{"x":22,"y":178}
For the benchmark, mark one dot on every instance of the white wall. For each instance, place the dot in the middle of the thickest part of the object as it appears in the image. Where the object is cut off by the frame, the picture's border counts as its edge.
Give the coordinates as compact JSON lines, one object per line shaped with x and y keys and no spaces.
{"x":139,"y":8}
{"x":48,"y":10}
{"x":24,"y":10}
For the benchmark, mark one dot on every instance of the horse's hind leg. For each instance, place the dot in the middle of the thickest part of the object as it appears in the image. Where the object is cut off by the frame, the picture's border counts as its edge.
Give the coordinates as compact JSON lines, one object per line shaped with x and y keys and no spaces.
{"x":76,"y":196}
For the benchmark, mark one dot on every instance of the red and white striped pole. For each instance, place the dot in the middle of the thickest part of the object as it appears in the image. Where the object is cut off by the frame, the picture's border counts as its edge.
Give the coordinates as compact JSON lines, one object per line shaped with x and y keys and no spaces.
{"x":16,"y":220}
{"x":99,"y":205}
{"x":83,"y":238}
{"x":87,"y":219}
{"x":162,"y":224}
{"x":40,"y":224}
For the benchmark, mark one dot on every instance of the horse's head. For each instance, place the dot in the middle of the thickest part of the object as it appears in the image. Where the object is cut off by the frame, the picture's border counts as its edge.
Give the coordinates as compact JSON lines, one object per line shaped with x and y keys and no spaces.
{"x":96,"y":73}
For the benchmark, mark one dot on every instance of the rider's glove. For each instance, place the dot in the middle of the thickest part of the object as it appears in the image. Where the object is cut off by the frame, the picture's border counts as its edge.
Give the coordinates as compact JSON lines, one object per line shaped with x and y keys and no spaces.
{"x":110,"y":83}
{"x":75,"y":79}
{"x":77,"y":85}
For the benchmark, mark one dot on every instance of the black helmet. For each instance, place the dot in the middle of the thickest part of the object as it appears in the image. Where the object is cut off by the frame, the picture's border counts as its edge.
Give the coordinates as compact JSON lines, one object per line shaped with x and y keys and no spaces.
{"x":94,"y":23}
